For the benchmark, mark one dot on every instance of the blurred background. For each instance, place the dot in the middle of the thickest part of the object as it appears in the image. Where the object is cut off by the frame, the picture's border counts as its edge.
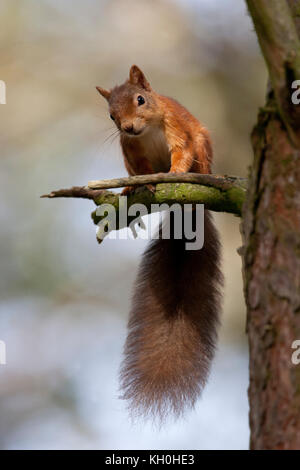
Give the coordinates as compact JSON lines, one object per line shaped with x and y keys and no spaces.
{"x":65,"y":299}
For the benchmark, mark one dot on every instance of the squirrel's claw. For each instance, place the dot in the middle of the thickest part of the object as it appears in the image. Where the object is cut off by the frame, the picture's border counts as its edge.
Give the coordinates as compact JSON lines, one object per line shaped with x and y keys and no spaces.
{"x":151,"y":187}
{"x":127,"y":191}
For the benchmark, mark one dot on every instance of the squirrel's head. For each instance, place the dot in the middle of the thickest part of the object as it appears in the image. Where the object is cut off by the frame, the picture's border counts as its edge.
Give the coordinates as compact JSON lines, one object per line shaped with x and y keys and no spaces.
{"x":132,"y":106}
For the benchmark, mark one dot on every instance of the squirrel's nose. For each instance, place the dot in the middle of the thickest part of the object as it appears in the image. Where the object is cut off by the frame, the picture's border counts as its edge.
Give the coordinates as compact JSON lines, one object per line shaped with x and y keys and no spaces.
{"x":128,"y":128}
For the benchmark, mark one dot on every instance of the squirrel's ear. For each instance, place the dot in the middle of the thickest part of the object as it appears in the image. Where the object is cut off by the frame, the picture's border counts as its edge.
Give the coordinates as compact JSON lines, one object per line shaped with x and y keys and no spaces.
{"x":136,"y":77}
{"x":103,"y":92}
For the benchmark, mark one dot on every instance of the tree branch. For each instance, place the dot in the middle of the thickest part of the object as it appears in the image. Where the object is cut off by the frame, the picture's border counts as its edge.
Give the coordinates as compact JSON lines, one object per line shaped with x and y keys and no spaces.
{"x":221,"y":194}
{"x":216,"y":181}
{"x":76,"y":191}
{"x":280,"y":44}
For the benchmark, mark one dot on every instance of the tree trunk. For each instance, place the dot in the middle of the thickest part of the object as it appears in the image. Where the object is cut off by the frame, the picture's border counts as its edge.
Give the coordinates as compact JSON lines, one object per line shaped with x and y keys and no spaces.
{"x":271,"y":268}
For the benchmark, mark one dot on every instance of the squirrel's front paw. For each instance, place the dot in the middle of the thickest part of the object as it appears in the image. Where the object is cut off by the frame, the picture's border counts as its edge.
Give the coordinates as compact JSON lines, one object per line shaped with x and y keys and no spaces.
{"x":151,"y":187}
{"x":128,"y":190}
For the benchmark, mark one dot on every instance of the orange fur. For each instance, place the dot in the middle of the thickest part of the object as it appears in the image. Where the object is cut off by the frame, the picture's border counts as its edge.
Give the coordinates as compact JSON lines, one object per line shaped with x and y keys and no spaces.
{"x":175,"y":310}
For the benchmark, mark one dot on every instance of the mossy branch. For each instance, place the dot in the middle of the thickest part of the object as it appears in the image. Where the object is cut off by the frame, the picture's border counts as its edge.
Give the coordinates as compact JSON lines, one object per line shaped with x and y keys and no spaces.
{"x":217,"y":181}
{"x":217,"y":193}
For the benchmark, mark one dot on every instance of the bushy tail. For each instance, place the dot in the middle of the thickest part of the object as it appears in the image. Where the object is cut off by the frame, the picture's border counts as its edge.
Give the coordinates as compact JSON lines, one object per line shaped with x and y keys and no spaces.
{"x":172,"y":325}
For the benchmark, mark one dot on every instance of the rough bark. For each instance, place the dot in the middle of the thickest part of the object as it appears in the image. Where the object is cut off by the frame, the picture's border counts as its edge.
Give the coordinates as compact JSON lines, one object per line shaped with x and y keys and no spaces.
{"x":280,"y":45}
{"x":271,"y":253}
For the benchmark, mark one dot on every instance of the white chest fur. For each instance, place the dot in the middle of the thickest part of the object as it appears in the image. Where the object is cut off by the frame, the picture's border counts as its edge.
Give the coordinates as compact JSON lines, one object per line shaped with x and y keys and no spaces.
{"x":155,"y":150}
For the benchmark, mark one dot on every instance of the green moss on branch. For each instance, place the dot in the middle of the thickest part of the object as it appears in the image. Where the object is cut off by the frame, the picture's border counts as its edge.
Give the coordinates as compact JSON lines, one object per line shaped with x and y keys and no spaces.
{"x":217,"y":193}
{"x":229,"y":200}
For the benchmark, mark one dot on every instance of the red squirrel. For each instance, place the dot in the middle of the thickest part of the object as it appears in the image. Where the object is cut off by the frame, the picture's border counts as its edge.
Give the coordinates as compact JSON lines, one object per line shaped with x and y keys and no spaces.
{"x":175,"y":310}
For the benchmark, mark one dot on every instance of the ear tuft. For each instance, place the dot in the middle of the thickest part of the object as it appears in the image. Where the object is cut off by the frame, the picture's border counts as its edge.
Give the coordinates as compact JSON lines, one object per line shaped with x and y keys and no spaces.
{"x":136,"y":77}
{"x":103,"y":92}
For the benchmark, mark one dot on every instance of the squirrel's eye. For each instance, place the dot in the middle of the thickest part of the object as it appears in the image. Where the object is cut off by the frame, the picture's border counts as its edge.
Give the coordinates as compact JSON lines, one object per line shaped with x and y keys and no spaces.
{"x":111,"y":117}
{"x":140,"y":100}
